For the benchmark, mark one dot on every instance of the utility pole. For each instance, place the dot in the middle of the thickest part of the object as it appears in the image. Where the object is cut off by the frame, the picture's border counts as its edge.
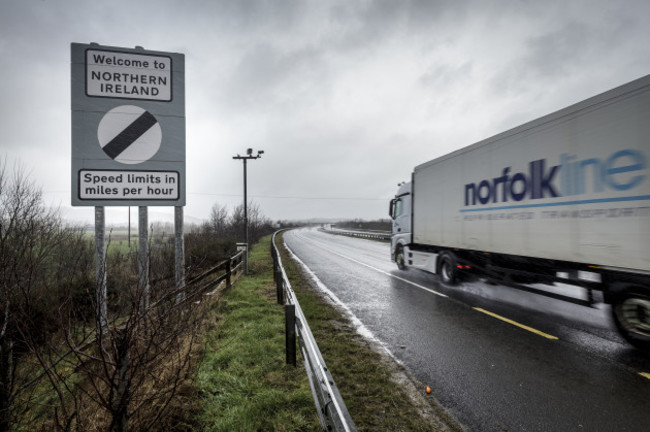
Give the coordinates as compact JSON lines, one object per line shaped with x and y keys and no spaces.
{"x":249,"y":155}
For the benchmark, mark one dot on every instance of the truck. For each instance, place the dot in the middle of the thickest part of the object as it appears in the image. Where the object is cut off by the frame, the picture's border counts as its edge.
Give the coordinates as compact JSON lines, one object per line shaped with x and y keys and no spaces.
{"x":561,"y":200}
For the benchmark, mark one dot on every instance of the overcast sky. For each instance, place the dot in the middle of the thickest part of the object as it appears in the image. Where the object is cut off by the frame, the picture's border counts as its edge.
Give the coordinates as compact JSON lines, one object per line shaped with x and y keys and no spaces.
{"x":345,"y":97}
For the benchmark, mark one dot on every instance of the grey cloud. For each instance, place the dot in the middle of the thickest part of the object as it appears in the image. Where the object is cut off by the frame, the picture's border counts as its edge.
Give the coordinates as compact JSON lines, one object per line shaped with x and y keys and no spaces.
{"x":369,"y":24}
{"x":267,"y":76}
{"x":552,"y":54}
{"x":445,"y":75}
{"x":567,"y":47}
{"x":247,"y":15}
{"x":344,"y":96}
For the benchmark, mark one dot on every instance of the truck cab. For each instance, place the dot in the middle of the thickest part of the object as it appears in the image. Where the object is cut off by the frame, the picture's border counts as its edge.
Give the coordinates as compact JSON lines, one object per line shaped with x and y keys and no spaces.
{"x":400,"y":213}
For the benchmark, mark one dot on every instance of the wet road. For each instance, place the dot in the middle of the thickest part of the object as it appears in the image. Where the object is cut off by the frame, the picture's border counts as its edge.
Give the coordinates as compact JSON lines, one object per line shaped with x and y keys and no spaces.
{"x":567,"y":370}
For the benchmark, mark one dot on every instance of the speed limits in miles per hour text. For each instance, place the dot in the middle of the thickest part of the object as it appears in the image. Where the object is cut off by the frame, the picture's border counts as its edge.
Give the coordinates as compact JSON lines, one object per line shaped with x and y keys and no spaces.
{"x":128,"y":185}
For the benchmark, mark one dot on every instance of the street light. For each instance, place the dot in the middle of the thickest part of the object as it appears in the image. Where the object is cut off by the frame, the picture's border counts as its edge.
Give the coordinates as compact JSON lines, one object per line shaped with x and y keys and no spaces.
{"x":249,"y":155}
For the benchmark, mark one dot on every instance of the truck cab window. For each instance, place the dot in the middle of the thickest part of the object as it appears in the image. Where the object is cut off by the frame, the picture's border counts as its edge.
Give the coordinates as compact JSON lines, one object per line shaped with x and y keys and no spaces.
{"x":399,"y":209}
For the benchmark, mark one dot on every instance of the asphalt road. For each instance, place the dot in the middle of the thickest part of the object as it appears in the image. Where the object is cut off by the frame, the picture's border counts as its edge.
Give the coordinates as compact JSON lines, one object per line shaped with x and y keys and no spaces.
{"x":567,"y":370}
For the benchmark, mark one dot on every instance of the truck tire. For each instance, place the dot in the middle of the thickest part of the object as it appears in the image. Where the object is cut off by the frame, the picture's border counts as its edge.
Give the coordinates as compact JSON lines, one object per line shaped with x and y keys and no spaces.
{"x":400,"y":258}
{"x":447,"y":269}
{"x":631,"y":311}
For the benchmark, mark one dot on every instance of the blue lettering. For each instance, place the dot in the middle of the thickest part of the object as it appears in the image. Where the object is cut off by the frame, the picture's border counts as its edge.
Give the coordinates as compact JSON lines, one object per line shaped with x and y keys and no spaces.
{"x":542,"y":186}
{"x":518,"y":178}
{"x":621,"y":171}
{"x":484,"y":197}
{"x":471,"y":187}
{"x":501,"y":180}
{"x":581,"y":176}
{"x":639,"y":163}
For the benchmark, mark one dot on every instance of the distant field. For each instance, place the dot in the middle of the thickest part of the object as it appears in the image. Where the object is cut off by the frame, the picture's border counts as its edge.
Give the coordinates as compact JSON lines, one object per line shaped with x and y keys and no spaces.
{"x":117,"y":239}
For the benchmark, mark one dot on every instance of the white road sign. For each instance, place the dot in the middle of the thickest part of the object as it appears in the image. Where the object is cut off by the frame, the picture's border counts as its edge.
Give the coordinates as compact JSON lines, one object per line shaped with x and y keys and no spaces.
{"x":128,"y":126}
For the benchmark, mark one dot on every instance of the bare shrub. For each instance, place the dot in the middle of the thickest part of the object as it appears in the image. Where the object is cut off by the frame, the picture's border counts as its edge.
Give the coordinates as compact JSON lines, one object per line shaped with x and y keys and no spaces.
{"x":35,"y":249}
{"x":56,"y":365}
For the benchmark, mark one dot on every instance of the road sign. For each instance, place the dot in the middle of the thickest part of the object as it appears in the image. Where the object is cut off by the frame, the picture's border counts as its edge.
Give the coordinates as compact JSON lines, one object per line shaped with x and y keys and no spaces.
{"x":129,"y":134}
{"x":128,"y":126}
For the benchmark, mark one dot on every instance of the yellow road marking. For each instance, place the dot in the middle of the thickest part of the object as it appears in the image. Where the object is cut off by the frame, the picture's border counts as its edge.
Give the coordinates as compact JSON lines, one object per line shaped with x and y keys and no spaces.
{"x":509,"y":321}
{"x":645,"y":374}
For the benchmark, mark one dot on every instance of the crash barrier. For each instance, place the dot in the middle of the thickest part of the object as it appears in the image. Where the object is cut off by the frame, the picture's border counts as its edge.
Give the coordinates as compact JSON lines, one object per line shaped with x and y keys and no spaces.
{"x":374,"y":235}
{"x":332,"y":412}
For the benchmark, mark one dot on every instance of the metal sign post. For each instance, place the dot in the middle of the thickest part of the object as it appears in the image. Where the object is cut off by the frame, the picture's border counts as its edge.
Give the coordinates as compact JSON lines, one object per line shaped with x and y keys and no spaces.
{"x":100,"y":272}
{"x":143,"y":256}
{"x":179,"y":247}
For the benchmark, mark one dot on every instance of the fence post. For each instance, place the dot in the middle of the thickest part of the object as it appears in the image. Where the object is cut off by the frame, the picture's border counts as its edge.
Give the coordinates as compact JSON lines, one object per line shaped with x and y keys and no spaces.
{"x":228,"y":273}
{"x":290,"y":330}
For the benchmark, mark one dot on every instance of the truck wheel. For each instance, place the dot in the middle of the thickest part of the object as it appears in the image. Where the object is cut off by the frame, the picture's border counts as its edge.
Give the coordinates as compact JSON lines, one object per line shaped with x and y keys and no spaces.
{"x":447,"y":268}
{"x":632,"y":317}
{"x":399,"y":258}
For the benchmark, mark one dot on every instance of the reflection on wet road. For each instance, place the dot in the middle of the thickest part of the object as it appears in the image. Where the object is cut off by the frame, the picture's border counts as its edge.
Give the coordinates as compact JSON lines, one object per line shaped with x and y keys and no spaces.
{"x":497,"y":358}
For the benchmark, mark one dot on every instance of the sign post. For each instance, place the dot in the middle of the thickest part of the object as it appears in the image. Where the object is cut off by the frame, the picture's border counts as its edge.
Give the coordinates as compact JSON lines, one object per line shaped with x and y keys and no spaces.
{"x":128,"y":141}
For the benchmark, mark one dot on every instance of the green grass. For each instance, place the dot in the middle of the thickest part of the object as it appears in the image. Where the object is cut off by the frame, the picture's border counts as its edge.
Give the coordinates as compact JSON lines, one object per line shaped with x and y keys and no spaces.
{"x":243,"y":380}
{"x":245,"y":385}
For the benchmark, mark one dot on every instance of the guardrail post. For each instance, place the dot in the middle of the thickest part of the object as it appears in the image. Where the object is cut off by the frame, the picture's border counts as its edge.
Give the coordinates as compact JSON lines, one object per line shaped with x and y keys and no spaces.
{"x":279,"y":288}
{"x":290,"y":329}
{"x":275,"y":264}
{"x":277,"y":276}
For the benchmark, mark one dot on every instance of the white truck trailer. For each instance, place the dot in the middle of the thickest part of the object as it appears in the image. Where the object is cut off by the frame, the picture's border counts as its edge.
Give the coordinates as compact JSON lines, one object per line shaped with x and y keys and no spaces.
{"x":564,"y":199}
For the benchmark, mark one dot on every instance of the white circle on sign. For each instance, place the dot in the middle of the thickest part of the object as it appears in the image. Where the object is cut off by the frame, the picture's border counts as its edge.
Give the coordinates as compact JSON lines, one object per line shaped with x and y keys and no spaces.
{"x":129,"y":134}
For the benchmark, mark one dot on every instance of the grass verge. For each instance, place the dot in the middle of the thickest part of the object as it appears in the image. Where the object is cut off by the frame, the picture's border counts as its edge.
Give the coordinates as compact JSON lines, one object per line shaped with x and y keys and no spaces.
{"x":245,"y":385}
{"x":243,"y":380}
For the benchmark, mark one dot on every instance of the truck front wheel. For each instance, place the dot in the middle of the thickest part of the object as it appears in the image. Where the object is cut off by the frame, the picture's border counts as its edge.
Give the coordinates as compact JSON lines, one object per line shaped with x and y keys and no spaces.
{"x":399,"y":258}
{"x":447,"y":268}
{"x":632,"y":317}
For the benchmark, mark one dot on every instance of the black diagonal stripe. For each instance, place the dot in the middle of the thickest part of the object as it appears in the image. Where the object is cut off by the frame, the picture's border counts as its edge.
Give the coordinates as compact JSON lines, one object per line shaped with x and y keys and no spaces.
{"x":128,"y":136}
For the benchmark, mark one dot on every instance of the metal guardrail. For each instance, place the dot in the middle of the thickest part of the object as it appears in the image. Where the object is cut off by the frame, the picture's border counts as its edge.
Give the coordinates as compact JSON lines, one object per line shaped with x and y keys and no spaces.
{"x":375,"y":235}
{"x":332,"y":412}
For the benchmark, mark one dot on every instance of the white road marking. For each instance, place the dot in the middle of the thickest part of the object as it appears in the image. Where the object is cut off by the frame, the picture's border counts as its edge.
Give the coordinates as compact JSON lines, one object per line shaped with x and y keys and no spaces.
{"x":422,"y":287}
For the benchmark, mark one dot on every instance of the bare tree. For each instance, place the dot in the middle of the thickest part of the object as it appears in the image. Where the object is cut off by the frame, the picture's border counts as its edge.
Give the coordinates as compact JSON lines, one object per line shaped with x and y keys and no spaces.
{"x":126,"y":377}
{"x":258,"y":224}
{"x":30,"y":236}
{"x":218,"y":221}
{"x":123,"y":378}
